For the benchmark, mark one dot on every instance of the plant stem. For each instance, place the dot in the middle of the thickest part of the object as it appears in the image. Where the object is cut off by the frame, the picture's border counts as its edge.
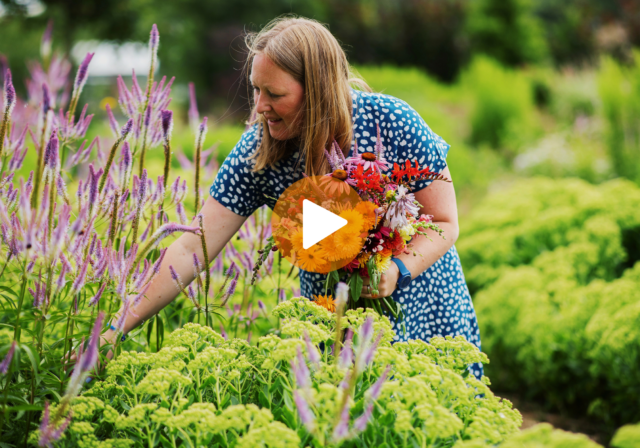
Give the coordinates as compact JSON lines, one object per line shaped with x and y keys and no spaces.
{"x":40,"y":164}
{"x":107,"y":167}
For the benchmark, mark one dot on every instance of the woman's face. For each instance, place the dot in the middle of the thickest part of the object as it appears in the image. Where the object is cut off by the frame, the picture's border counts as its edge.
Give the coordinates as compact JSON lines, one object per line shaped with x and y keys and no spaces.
{"x":278,"y":97}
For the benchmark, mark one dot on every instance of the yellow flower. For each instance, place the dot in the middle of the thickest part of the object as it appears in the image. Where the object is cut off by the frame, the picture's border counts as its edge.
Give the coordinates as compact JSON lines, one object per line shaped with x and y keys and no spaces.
{"x":407,"y":232}
{"x":328,"y":249}
{"x":296,"y":239}
{"x":326,"y":302}
{"x":367,"y":210}
{"x":383,"y":263}
{"x":311,"y":260}
{"x":347,"y":244}
{"x":354,"y":219}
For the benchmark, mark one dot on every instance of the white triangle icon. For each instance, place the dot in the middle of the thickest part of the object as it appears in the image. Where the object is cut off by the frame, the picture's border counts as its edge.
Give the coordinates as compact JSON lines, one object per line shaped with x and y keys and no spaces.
{"x":318,"y":223}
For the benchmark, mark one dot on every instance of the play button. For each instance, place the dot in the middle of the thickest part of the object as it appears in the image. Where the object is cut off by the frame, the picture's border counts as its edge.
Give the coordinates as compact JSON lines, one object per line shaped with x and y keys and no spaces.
{"x":318,"y":223}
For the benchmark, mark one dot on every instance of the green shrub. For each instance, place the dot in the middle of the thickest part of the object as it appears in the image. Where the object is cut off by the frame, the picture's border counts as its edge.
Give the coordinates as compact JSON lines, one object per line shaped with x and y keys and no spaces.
{"x":627,"y":437}
{"x":503,"y":103}
{"x":201,"y":390}
{"x":619,"y":89}
{"x":557,"y":294}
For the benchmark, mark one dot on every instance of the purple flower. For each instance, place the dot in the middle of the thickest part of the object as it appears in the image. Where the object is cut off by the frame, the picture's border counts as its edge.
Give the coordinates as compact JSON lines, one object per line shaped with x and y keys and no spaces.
{"x":282,"y":296}
{"x":304,"y":411}
{"x":94,"y":180}
{"x":147,"y":116}
{"x":233,"y":284}
{"x":169,"y":228}
{"x":90,"y":357}
{"x":81,"y":76}
{"x":405,"y":203}
{"x":301,"y":371}
{"x":181,"y":213}
{"x":177,"y":280}
{"x":360,"y":424}
{"x":366,"y":332}
{"x":167,"y":125}
{"x":368,"y":354}
{"x":4,"y":365}
{"x":48,"y":432}
{"x":51,"y":152}
{"x":78,"y":283}
{"x":126,"y":129}
{"x":9,"y":93}
{"x":374,"y":391}
{"x":94,"y":301}
{"x":46,"y":99}
{"x":156,"y":266}
{"x":312,"y":351}
{"x":223,"y":333}
{"x":346,"y":354}
{"x":341,"y":430}
{"x":154,"y":39}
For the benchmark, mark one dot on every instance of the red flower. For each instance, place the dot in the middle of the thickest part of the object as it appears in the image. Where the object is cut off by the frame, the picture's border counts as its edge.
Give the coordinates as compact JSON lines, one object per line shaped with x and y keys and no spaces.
{"x":407,"y":170}
{"x":367,"y":181}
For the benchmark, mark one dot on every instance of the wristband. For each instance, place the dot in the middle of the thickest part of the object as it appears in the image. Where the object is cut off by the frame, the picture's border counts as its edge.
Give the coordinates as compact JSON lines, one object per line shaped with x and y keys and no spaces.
{"x":124,"y":336}
{"x":405,"y":275}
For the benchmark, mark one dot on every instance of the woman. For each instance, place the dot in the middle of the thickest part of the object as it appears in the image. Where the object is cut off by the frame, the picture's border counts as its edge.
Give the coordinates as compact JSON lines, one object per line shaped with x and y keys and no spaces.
{"x":302,"y":102}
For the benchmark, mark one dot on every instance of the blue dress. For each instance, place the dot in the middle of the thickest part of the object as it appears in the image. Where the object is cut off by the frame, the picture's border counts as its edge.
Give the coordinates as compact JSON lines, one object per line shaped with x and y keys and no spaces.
{"x":438,"y":302}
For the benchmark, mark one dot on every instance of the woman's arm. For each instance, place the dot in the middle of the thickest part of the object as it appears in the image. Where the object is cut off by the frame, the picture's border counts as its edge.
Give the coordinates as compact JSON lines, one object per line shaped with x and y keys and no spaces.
{"x":220,"y":225}
{"x":439,"y":200}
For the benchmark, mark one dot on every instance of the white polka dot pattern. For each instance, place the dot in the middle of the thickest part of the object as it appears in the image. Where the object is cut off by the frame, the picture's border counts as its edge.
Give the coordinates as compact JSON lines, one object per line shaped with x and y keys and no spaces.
{"x":437,"y":303}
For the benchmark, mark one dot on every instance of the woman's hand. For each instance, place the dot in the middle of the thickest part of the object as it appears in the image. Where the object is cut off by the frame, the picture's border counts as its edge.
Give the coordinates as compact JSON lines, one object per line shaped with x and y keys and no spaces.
{"x":388,"y":284}
{"x":108,"y":337}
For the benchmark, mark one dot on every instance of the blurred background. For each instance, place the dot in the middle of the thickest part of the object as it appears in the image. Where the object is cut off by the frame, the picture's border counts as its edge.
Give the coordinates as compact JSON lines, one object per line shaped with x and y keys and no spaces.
{"x":519,"y":88}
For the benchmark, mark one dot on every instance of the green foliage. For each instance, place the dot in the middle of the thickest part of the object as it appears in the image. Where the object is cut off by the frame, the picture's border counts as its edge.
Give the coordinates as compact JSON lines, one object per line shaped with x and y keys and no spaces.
{"x":620,"y":92}
{"x":201,"y":390}
{"x":503,"y":103}
{"x":627,"y":437}
{"x":506,"y":30}
{"x":553,"y":265}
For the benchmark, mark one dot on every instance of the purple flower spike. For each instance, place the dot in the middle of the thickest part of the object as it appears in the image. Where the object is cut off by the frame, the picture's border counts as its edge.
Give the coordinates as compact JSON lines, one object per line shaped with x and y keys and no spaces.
{"x":9,"y":93}
{"x":90,"y":357}
{"x":301,"y":371}
{"x":282,"y":296}
{"x":306,"y":415}
{"x":126,"y":129}
{"x":4,"y":365}
{"x":375,"y":390}
{"x":167,"y":124}
{"x":147,"y":116}
{"x":83,"y":71}
{"x":368,"y":354}
{"x":94,"y":301}
{"x":232,"y":285}
{"x":366,"y":332}
{"x":46,"y":98}
{"x":154,"y":39}
{"x":155,"y":269}
{"x":223,"y":333}
{"x":177,"y":280}
{"x":312,"y":351}
{"x":361,"y":422}
{"x":346,"y":354}
{"x":341,"y":431}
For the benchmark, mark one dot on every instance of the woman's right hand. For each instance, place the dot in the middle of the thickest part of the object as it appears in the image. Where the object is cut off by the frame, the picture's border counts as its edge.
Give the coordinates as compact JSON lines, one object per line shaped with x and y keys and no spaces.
{"x":108,"y":337}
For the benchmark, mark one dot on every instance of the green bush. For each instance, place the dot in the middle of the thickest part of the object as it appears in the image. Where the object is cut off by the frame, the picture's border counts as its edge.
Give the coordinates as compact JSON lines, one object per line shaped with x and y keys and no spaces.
{"x":553,"y":267}
{"x":503,"y":103}
{"x":627,"y":437}
{"x":202,"y":390}
{"x":619,"y":89}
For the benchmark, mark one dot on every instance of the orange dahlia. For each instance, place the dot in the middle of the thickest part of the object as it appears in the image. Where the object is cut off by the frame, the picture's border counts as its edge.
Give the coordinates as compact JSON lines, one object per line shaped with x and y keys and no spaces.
{"x":326,"y":302}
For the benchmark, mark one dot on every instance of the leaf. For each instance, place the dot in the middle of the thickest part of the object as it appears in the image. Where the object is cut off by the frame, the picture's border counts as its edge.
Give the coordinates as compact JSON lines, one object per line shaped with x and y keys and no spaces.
{"x":149,"y":329}
{"x":355,"y":285}
{"x":25,"y":407}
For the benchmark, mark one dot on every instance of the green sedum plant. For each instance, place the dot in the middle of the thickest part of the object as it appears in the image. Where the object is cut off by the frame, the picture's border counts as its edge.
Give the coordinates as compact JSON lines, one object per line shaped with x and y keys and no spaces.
{"x":290,"y":391}
{"x":556,"y":283}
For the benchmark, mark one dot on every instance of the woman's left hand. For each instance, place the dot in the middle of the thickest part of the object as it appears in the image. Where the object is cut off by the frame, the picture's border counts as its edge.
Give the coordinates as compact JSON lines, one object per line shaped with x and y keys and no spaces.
{"x":388,"y":284}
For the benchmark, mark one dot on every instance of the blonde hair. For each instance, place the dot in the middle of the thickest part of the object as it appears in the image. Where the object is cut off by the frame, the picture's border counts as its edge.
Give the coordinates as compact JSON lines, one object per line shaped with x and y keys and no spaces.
{"x":308,"y":51}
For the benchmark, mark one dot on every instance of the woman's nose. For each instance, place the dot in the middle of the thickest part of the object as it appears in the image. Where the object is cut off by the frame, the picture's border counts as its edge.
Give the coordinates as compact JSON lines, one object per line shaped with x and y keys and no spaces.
{"x":262,"y":105}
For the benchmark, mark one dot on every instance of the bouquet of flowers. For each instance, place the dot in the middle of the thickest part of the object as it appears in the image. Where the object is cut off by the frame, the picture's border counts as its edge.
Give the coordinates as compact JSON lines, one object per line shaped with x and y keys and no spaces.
{"x":380,"y":223}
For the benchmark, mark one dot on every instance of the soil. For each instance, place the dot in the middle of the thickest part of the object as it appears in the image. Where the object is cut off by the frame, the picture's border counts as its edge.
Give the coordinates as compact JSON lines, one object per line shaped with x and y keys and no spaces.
{"x":534,"y":413}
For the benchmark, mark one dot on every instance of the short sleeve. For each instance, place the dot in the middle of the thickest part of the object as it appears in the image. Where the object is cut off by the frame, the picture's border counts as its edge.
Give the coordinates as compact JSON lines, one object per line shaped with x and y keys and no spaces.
{"x":235,"y":184}
{"x":418,"y":142}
